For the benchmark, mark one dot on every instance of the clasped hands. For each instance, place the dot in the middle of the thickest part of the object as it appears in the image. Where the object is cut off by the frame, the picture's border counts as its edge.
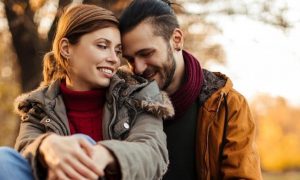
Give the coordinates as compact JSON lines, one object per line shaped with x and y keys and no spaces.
{"x":71,"y":157}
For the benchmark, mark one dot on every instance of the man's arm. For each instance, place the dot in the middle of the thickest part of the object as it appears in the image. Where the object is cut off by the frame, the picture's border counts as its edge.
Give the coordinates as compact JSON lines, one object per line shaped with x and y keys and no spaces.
{"x":240,"y":158}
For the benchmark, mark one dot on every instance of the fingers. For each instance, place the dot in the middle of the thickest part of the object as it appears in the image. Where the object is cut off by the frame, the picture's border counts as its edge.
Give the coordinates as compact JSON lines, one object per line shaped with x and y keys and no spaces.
{"x":103,"y":157}
{"x":88,"y":147}
{"x":67,"y":159}
{"x":70,"y":168}
{"x":74,"y":158}
{"x":86,"y":160}
{"x":57,"y":175}
{"x":77,"y":169}
{"x":61,"y":175}
{"x":51,"y":175}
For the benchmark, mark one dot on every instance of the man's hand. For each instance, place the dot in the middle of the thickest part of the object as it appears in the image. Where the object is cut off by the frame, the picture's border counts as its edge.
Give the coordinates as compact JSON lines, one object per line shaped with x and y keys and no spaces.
{"x":100,"y":155}
{"x":67,"y":158}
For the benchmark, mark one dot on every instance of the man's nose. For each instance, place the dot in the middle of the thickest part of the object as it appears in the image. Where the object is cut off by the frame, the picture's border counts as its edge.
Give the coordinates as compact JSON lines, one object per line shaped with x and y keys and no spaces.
{"x":139,"y":66}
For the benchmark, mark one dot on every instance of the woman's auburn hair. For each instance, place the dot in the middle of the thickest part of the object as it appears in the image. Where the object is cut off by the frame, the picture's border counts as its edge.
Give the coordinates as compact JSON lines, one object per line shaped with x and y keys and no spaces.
{"x":75,"y":21}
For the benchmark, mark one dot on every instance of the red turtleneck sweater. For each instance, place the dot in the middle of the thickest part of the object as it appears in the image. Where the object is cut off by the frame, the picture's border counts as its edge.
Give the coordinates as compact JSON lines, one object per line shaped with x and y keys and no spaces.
{"x":84,"y":111}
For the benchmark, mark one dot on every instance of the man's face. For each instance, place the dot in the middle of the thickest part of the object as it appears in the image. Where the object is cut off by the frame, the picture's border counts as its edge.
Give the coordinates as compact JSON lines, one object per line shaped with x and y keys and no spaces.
{"x":150,"y":55}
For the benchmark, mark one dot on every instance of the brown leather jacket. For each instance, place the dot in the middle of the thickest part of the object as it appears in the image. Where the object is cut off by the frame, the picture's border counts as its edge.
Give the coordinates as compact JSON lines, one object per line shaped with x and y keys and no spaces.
{"x":140,"y":146}
{"x":225,"y":112}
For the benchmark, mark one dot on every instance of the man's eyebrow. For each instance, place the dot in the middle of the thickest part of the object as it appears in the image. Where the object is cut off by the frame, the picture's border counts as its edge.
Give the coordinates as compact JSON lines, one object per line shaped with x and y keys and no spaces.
{"x":144,"y":50}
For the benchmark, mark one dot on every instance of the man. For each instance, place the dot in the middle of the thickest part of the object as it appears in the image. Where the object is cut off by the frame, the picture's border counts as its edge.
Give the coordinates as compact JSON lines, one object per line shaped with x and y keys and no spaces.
{"x":212,"y":134}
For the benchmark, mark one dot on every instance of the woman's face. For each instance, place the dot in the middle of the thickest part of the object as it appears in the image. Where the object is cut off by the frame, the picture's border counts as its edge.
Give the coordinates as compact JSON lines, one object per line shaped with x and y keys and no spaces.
{"x":94,"y":59}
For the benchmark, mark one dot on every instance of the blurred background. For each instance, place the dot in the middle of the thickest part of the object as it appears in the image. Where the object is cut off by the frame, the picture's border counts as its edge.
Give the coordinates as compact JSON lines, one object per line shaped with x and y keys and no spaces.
{"x":255,"y":42}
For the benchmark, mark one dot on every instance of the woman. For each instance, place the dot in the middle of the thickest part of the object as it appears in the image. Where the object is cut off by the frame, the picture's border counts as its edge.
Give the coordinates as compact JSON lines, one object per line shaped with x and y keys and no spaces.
{"x":83,"y":92}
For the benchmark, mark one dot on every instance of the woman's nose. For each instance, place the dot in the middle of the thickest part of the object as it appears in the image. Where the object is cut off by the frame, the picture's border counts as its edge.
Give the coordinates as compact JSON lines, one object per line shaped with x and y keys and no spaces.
{"x":113,"y":57}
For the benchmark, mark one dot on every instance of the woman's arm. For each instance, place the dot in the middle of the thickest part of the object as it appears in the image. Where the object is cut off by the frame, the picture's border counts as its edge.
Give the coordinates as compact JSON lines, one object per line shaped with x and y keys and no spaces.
{"x":62,"y":156}
{"x":143,"y":154}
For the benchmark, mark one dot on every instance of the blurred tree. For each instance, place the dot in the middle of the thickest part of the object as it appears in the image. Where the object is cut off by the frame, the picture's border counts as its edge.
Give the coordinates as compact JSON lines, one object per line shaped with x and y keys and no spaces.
{"x":9,"y":89}
{"x":199,"y":28}
{"x":29,"y":40}
{"x":30,"y":46}
{"x":273,"y":12}
{"x":26,"y":41}
{"x":278,"y":133}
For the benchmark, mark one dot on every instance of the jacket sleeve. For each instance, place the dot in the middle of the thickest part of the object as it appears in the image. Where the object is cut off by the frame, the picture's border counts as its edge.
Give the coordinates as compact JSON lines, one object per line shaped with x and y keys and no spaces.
{"x":143,"y":154}
{"x":240,"y":155}
{"x":31,"y":134}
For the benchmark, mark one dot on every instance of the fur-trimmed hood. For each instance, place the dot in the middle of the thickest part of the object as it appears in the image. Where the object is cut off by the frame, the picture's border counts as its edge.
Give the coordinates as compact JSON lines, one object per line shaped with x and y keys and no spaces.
{"x":24,"y":102}
{"x":145,"y":95}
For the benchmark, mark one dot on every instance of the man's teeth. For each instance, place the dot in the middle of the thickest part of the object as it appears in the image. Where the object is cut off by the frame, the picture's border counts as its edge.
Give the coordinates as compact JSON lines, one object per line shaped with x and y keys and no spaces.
{"x":108,"y":71}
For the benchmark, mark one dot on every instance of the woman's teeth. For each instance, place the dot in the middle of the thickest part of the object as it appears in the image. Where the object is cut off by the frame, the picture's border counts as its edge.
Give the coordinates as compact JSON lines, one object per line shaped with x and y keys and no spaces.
{"x":108,"y":71}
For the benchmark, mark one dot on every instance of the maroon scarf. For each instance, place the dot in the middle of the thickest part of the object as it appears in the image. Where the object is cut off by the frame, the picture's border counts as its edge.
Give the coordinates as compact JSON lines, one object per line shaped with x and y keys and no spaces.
{"x":186,"y":95}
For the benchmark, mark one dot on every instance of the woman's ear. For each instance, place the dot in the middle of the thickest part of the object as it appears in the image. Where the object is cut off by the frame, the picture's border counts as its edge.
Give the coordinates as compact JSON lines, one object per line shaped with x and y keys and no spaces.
{"x":177,"y":39}
{"x":65,"y":48}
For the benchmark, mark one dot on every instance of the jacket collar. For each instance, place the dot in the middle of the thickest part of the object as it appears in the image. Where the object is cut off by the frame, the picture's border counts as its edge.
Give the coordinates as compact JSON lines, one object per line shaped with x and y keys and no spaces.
{"x":123,"y":79}
{"x":124,"y":82}
{"x":53,"y":90}
{"x":216,"y":86}
{"x":123,"y":85}
{"x":145,"y":95}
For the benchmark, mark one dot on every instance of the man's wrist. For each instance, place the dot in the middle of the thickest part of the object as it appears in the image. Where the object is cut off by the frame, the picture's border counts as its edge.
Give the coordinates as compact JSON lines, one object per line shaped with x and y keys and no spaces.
{"x":112,"y":168}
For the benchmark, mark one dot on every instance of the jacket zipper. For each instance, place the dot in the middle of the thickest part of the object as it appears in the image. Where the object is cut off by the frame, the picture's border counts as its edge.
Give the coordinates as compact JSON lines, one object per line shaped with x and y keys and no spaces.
{"x":207,"y":164}
{"x":206,"y":149}
{"x":113,"y":117}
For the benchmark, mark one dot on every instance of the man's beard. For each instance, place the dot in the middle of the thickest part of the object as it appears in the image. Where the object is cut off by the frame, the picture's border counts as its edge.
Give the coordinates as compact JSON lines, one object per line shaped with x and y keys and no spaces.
{"x":168,"y":69}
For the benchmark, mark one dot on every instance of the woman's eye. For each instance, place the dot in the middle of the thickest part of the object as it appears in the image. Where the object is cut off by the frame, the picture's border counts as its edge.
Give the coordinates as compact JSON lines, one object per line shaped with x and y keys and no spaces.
{"x":101,"y":46}
{"x":119,"y":53}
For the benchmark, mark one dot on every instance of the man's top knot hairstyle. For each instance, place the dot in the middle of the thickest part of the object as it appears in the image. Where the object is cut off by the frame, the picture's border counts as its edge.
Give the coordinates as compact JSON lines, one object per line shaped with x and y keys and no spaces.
{"x":158,"y":13}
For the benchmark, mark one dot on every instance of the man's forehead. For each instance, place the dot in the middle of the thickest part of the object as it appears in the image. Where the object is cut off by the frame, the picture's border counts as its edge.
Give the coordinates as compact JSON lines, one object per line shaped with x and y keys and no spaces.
{"x":132,"y":50}
{"x":137,"y":40}
{"x":141,"y":31}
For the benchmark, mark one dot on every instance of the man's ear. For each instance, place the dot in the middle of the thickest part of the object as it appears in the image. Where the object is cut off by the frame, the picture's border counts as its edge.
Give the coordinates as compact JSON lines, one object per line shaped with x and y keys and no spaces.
{"x":64,"y":49}
{"x":177,"y":39}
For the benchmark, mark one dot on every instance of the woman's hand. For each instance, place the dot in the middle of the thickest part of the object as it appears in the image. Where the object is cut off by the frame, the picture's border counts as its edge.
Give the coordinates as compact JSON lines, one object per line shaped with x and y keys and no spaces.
{"x":101,"y":156}
{"x":66,"y":158}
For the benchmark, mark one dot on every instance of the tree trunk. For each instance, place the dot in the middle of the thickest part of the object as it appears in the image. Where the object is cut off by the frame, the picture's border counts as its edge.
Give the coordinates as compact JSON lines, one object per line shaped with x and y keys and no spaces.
{"x":52,"y":30}
{"x":29,"y":47}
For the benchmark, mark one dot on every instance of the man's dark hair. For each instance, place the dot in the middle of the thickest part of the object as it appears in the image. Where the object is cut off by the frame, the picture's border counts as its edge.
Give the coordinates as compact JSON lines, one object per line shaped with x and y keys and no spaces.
{"x":158,"y":13}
